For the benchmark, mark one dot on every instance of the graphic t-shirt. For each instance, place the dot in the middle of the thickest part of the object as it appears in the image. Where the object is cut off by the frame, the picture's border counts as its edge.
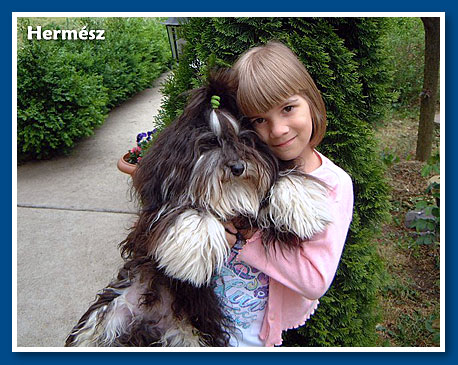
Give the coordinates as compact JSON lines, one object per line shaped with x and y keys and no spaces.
{"x":244,"y":291}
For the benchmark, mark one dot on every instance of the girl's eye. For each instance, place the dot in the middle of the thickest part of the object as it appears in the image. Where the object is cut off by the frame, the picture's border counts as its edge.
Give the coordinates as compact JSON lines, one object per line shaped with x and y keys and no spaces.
{"x":288,"y":108}
{"x":258,"y":121}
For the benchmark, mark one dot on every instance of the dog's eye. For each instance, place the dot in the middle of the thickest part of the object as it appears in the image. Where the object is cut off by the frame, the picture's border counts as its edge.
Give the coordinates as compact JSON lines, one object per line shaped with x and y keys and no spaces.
{"x":248,"y":138}
{"x":208,"y":145}
{"x":203,"y":149}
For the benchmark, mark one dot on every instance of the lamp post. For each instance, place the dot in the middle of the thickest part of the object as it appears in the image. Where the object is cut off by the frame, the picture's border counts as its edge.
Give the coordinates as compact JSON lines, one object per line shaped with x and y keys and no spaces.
{"x":176,"y":44}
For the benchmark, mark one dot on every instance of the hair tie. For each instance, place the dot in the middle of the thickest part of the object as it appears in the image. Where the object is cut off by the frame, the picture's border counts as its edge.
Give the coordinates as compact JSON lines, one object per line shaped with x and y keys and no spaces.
{"x":215,"y":101}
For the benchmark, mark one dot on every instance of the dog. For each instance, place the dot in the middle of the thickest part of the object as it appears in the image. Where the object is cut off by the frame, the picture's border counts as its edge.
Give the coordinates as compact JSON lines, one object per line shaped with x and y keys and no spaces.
{"x":208,"y":167}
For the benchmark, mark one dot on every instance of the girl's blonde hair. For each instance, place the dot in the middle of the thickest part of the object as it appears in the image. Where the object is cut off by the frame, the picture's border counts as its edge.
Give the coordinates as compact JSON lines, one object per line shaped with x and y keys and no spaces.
{"x":268,"y":75}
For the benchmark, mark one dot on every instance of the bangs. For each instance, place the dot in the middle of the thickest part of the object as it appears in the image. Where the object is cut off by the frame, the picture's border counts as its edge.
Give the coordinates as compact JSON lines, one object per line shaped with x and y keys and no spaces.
{"x":260,"y":95}
{"x":265,"y":82}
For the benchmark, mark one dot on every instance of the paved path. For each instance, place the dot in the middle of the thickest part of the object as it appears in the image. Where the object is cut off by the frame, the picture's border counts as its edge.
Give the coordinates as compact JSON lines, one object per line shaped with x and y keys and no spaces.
{"x":71,"y":214}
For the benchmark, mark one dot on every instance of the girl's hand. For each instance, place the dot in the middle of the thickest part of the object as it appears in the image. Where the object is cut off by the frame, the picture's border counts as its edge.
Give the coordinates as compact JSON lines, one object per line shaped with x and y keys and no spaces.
{"x":231,"y":233}
{"x":248,"y":233}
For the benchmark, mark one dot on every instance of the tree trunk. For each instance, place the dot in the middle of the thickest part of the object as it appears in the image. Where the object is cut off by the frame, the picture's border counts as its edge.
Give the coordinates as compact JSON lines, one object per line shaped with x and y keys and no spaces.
{"x":429,"y":92}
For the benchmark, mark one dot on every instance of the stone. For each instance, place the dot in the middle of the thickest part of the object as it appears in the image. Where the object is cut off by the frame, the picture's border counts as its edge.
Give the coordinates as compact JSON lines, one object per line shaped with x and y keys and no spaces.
{"x":413,"y":215}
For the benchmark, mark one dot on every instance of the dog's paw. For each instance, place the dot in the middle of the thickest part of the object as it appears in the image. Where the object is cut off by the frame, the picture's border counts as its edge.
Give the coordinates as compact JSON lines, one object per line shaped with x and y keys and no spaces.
{"x":297,"y":205}
{"x":193,"y":247}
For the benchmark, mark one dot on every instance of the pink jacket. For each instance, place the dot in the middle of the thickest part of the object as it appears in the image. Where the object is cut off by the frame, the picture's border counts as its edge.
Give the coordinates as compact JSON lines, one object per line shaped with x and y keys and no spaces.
{"x":298,"y":278}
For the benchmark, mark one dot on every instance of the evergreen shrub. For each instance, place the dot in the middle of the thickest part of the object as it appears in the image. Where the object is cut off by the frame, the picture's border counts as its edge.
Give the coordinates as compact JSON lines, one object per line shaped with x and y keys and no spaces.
{"x":66,"y":87}
{"x":344,"y":58}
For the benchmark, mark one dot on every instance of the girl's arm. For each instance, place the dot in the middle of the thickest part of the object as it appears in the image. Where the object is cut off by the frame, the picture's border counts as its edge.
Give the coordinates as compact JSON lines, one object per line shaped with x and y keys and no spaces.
{"x":309,"y":269}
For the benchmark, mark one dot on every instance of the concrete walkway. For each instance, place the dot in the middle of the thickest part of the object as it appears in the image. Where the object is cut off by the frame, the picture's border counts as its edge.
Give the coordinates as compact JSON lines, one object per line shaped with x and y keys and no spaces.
{"x":72,"y":212}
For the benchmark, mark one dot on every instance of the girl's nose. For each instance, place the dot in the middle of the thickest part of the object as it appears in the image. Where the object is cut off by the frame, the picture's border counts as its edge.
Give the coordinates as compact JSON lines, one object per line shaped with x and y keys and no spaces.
{"x":278,"y":128}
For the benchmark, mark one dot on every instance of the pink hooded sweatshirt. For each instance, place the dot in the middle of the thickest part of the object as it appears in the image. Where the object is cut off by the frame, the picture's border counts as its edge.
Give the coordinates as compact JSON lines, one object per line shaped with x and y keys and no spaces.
{"x":298,"y":278}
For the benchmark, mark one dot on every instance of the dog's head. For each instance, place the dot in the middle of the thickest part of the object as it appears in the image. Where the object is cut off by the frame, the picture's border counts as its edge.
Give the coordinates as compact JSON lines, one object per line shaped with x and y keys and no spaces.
{"x":207,"y":160}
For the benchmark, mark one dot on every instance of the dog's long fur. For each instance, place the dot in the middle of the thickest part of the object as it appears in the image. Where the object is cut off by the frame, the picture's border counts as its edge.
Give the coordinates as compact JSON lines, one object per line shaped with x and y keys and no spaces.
{"x":207,"y":168}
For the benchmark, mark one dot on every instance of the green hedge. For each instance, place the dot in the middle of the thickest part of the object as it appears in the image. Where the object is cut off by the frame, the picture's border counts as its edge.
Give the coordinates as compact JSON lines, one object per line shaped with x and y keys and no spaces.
{"x":65,"y":88}
{"x":344,"y":56}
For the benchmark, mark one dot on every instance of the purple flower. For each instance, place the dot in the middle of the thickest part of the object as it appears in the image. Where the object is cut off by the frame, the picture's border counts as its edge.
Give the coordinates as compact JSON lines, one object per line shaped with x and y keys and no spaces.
{"x":140,"y":136}
{"x":143,"y":141}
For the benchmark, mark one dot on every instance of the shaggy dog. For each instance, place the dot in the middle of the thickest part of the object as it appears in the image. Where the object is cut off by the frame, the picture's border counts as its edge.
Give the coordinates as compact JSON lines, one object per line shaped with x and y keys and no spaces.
{"x":206,"y":168}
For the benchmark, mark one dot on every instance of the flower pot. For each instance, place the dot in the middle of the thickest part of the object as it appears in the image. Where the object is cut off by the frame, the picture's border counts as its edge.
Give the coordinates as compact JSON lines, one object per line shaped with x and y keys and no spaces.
{"x":126,"y":167}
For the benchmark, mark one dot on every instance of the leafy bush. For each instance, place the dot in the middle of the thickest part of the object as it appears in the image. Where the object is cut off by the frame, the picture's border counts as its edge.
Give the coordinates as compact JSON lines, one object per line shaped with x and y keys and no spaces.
{"x":405,"y":44}
{"x":65,"y":88}
{"x":427,"y":225}
{"x":337,"y":54}
{"x":134,"y":53}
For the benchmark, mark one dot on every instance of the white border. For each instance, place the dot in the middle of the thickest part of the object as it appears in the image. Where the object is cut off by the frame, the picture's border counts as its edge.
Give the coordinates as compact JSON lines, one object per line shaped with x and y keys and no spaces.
{"x":14,"y":185}
{"x":442,"y":183}
{"x":16,"y":15}
{"x":227,"y":14}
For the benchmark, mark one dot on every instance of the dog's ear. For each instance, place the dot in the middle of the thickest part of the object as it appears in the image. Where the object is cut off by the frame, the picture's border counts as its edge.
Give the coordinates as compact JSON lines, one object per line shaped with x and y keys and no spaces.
{"x":163,"y":173}
{"x":297,"y":208}
{"x":189,"y":246}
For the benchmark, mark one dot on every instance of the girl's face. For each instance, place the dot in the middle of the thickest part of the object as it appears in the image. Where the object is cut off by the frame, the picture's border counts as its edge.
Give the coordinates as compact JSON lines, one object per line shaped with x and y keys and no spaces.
{"x":286,"y":129}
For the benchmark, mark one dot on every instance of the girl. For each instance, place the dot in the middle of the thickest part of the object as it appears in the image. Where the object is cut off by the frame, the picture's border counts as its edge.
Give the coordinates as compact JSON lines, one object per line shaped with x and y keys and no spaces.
{"x":266,"y":293}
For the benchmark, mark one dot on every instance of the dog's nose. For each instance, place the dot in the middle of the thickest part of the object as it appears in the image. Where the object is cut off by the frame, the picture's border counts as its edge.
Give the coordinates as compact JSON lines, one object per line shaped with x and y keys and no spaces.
{"x":237,"y":168}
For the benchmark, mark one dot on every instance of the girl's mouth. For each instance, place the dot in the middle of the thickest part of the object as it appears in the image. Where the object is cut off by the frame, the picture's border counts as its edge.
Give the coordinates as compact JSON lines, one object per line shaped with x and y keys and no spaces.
{"x":284,"y":144}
